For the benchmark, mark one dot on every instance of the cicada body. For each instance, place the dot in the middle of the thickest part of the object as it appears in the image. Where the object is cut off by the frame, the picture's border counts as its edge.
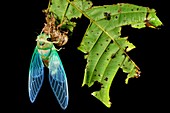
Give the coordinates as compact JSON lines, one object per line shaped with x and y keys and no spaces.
{"x":45,"y":54}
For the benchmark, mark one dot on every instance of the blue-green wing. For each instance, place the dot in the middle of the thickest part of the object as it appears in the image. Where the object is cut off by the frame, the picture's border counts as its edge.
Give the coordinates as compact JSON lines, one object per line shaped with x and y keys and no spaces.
{"x":36,"y":75}
{"x":58,"y":80}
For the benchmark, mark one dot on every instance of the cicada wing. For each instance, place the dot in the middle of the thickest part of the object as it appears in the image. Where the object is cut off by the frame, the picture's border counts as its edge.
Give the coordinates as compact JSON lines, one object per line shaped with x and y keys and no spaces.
{"x":58,"y":79}
{"x":36,"y":75}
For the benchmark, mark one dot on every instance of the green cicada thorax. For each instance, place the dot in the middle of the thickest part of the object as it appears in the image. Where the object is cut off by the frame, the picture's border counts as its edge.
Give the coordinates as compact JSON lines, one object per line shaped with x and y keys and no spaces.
{"x":43,"y":42}
{"x":44,"y":46}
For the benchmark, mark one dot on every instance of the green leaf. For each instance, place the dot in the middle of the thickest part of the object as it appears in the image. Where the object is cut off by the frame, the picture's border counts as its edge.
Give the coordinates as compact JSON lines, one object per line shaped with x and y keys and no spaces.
{"x":63,"y":11}
{"x":104,"y":48}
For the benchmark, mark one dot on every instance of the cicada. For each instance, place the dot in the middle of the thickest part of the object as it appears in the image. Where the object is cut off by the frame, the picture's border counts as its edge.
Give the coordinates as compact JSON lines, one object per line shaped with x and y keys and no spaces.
{"x":46,"y":55}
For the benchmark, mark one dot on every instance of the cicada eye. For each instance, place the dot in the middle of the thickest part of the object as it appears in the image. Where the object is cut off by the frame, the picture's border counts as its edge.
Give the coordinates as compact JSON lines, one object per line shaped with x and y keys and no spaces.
{"x":49,"y":39}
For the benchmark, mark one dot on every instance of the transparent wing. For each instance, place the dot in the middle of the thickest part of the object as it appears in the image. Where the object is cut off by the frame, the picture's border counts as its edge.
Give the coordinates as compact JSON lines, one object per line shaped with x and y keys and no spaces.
{"x":36,"y":75}
{"x":58,"y":80}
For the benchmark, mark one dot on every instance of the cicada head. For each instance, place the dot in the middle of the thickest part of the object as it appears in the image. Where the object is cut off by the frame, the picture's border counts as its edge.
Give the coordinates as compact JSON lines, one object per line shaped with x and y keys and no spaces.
{"x":43,"y":41}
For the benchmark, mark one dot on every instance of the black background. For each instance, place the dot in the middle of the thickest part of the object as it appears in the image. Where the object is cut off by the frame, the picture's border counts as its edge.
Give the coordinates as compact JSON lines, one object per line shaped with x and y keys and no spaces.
{"x":148,"y":93}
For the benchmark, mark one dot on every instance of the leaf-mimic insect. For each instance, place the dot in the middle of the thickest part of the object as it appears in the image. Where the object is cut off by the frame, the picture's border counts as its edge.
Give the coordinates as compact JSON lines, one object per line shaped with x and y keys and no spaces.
{"x":45,"y":54}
